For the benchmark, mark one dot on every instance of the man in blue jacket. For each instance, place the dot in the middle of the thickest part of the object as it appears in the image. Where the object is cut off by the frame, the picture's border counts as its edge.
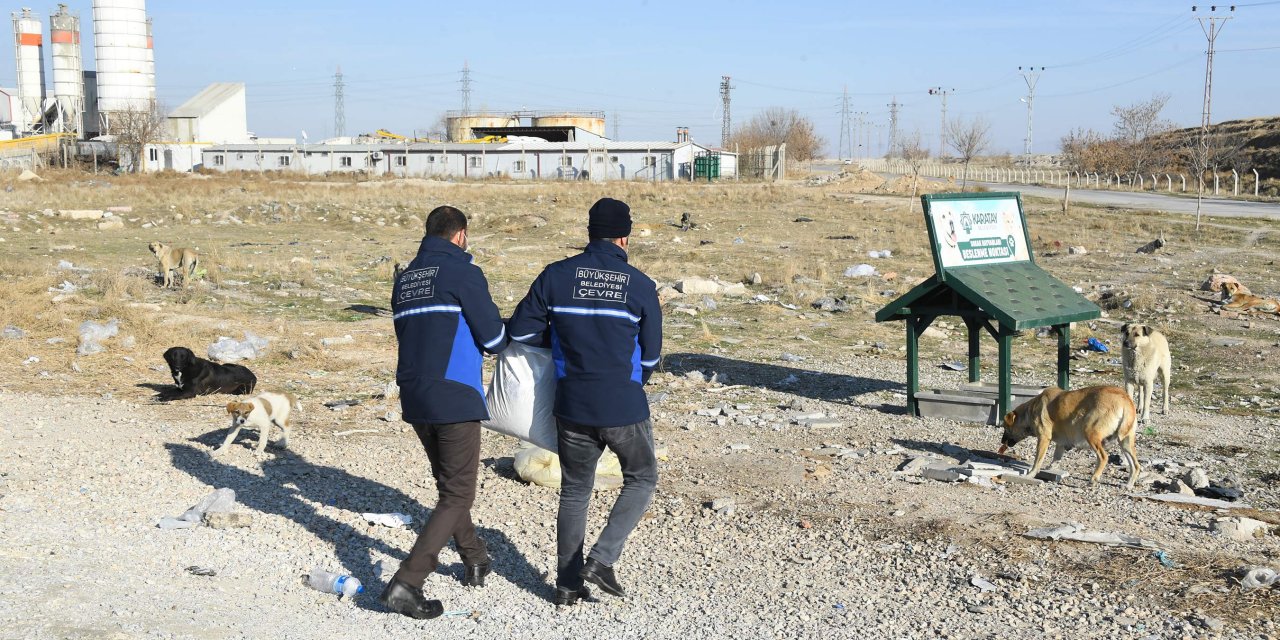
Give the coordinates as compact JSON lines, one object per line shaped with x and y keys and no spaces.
{"x":444,"y":319}
{"x":603,"y":322}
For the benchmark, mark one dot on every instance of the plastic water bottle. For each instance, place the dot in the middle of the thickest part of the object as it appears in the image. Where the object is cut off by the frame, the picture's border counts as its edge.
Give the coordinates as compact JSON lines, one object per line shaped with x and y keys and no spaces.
{"x":345,"y":586}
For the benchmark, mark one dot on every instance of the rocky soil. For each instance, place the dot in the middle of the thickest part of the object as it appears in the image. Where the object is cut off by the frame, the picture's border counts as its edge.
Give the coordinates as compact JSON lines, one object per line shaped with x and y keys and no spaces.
{"x":817,"y":534}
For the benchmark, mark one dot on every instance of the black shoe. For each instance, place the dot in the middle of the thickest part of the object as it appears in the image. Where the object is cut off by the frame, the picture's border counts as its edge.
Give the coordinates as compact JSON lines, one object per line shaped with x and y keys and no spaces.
{"x":474,"y":575}
{"x":404,"y":599}
{"x":566,"y":597}
{"x":602,"y":577}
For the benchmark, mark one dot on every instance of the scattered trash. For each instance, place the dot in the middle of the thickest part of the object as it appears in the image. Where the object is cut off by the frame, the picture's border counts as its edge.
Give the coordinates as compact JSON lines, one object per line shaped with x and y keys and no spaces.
{"x":345,"y":586}
{"x":838,"y":607}
{"x":28,"y":175}
{"x":1095,"y":344}
{"x":1077,"y":533}
{"x":221,"y":500}
{"x":791,"y":357}
{"x":1195,"y":500}
{"x":329,"y":342}
{"x":31,"y":360}
{"x":342,"y":404}
{"x":1165,"y":560}
{"x":1258,"y":577}
{"x":955,"y":366}
{"x":1218,"y":492}
{"x":13,"y":333}
{"x":394,"y":520}
{"x":65,"y":288}
{"x":860,"y":271}
{"x":461,"y":613}
{"x":355,"y":431}
{"x":982,"y":583}
{"x":880,"y":254}
{"x":1077,"y":251}
{"x":201,"y":571}
{"x":232,"y":350}
{"x":93,"y":333}
{"x":803,"y":219}
{"x":1226,"y":342}
{"x":1239,"y":529}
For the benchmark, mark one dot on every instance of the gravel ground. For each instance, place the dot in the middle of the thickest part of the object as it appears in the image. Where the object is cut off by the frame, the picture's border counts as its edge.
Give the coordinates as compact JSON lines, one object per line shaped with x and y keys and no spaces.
{"x":823,"y":538}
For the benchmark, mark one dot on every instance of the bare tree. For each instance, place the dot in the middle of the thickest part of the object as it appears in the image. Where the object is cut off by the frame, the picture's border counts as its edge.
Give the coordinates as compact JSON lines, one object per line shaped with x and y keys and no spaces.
{"x":914,"y":153}
{"x":969,"y":139}
{"x":135,"y":127}
{"x":1136,"y":128}
{"x":779,"y":125}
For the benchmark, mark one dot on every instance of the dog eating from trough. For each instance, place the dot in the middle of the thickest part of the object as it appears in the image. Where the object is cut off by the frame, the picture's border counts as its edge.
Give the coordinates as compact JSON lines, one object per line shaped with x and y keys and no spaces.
{"x":1071,"y":419}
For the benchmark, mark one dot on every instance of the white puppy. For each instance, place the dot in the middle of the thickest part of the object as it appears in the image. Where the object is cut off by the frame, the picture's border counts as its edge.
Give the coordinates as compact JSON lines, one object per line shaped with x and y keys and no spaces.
{"x":261,"y":412}
{"x":1145,"y":354}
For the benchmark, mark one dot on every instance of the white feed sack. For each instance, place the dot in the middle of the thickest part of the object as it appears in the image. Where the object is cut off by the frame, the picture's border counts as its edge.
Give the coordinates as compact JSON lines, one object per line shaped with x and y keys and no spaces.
{"x":522,"y":395}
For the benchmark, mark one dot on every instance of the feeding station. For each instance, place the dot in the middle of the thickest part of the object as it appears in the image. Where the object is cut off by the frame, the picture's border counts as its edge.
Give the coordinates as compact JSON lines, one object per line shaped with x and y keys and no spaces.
{"x":985,"y":273}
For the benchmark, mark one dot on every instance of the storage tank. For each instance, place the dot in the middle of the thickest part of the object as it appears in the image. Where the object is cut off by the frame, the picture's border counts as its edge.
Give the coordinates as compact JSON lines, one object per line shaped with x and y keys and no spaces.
{"x":460,"y":127}
{"x":68,"y":79}
{"x":150,"y":68}
{"x":28,"y":37}
{"x":122,"y":53}
{"x":588,"y":121}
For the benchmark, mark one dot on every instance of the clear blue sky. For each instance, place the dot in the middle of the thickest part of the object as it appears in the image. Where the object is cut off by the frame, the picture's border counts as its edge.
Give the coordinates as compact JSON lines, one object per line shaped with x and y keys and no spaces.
{"x":657,"y":64}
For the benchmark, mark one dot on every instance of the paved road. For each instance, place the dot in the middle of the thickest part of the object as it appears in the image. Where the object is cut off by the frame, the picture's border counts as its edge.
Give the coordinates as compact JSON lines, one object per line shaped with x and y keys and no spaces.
{"x":1216,"y":207}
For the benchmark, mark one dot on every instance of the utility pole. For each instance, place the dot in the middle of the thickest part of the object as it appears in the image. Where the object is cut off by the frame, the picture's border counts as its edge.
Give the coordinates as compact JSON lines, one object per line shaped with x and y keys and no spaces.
{"x":846,"y":134}
{"x":893,"y":124}
{"x":339,"y":105}
{"x":1031,"y":76}
{"x":1211,"y":25}
{"x":466,"y":88}
{"x":726,"y":123}
{"x":858,"y":130}
{"x":942,"y":130}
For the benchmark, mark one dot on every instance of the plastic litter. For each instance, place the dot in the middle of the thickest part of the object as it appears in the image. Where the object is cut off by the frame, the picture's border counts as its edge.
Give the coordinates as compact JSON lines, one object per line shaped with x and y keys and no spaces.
{"x":982,"y":583}
{"x":232,"y":350}
{"x":860,"y":271}
{"x":65,"y":287}
{"x":955,"y":366}
{"x":1077,"y":533}
{"x":1258,"y":577}
{"x":93,"y":333}
{"x":394,"y":520}
{"x":880,"y":254}
{"x":1096,"y":345}
{"x":459,"y":613}
{"x":541,"y":467}
{"x":522,"y":395}
{"x":328,"y":582}
{"x":201,"y":571}
{"x":13,"y":333}
{"x":219,"y":501}
{"x":1165,"y":560}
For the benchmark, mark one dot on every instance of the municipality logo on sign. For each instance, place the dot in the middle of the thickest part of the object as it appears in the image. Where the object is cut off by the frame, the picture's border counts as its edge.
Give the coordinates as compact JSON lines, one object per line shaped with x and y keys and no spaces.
{"x":966,"y":223}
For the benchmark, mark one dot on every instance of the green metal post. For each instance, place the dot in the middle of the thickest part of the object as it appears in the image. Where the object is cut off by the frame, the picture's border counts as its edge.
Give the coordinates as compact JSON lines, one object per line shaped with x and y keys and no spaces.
{"x":1064,"y":356}
{"x":913,"y":366}
{"x":975,"y":353}
{"x":1006,"y":370}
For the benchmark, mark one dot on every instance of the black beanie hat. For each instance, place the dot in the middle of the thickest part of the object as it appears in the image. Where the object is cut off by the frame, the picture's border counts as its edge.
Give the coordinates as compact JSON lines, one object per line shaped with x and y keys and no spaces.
{"x":609,"y":219}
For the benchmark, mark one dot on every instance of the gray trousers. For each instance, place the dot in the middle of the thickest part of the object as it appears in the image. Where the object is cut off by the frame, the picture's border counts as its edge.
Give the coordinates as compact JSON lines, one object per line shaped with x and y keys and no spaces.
{"x":580,"y":449}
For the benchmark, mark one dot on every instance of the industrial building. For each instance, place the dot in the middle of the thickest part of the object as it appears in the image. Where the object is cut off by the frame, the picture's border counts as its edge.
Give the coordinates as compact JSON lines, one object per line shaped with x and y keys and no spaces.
{"x":598,"y":160}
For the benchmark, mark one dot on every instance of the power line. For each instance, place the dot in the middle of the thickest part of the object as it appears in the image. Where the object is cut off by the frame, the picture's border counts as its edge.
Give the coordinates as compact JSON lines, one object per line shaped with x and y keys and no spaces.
{"x":339,"y":106}
{"x":726,"y":124}
{"x":465,"y":87}
{"x":846,"y":137}
{"x":942,"y":130}
{"x":893,"y":125}
{"x":1031,"y":75}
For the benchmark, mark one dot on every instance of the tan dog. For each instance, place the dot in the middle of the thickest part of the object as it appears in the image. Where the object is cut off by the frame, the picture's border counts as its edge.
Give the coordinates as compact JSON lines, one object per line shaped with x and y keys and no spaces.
{"x":182,"y":259}
{"x":1239,"y":301}
{"x":1145,"y":354}
{"x":1070,"y":419}
{"x":262,"y":411}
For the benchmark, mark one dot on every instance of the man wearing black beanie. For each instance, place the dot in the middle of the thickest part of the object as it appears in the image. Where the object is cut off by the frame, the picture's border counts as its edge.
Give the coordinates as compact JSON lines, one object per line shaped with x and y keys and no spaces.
{"x":601,"y":318}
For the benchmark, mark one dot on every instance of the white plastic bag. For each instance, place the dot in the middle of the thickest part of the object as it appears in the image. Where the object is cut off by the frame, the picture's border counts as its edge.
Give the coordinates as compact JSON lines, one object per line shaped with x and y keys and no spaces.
{"x":232,"y":350}
{"x":93,"y":333}
{"x":522,"y":395}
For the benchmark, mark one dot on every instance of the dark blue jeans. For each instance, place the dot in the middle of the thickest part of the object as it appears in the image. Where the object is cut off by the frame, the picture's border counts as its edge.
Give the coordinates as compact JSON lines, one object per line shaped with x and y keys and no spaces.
{"x":580,"y":449}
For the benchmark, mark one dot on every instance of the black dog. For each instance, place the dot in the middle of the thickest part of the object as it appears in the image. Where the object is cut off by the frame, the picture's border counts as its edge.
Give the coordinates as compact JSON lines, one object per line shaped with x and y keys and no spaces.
{"x":196,"y":376}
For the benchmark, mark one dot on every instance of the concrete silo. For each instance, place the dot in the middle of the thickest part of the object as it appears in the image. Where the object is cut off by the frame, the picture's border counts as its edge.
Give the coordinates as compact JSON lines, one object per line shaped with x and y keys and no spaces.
{"x":28,"y":37}
{"x":68,"y":72}
{"x":126,"y":77}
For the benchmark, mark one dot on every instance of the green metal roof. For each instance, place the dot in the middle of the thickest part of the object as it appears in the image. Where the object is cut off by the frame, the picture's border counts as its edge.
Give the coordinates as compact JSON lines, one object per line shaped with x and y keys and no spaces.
{"x":1018,"y":295}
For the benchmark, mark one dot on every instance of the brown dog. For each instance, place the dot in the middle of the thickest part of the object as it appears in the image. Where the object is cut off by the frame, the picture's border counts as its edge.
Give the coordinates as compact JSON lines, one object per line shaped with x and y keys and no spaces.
{"x":1239,"y":301}
{"x":182,"y":259}
{"x":1070,"y":419}
{"x":1145,"y":356}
